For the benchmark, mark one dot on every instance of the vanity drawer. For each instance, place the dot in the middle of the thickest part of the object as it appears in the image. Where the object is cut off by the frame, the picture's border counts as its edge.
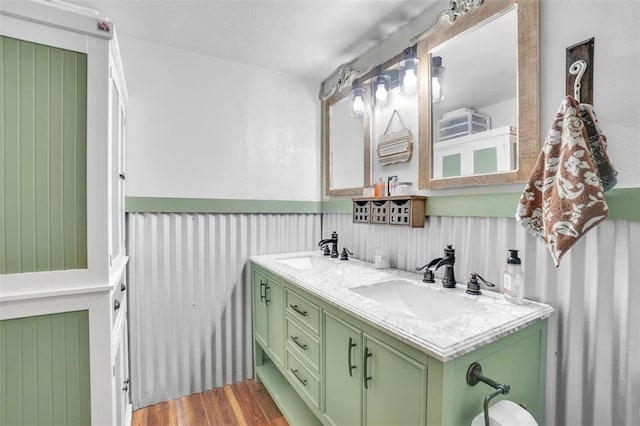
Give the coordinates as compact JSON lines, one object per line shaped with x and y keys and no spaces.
{"x":303,"y":344}
{"x":304,"y":311}
{"x":303,"y":379}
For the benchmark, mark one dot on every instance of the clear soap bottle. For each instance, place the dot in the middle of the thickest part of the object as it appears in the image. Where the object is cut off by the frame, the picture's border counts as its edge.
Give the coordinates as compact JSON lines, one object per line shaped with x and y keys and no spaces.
{"x":513,"y":285}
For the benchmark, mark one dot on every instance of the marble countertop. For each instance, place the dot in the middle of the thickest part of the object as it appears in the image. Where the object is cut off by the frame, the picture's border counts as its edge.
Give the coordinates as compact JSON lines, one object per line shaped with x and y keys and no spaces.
{"x":447,"y":339}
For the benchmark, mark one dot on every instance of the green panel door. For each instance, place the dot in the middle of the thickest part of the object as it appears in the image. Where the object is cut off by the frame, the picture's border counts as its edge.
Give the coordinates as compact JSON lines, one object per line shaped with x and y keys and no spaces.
{"x":275,"y":303}
{"x":396,"y":393}
{"x":44,"y":370}
{"x":342,"y":384}
{"x":451,"y":165}
{"x":43,"y":158}
{"x":485,"y":160}
{"x":260,"y":316}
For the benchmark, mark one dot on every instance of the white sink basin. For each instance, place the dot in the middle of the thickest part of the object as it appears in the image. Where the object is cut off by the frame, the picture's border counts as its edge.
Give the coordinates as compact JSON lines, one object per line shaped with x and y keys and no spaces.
{"x":419,"y":301}
{"x":297,"y":262}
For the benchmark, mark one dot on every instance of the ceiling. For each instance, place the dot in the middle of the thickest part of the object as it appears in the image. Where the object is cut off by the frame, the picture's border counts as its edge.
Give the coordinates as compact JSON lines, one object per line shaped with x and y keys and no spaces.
{"x":308,"y":38}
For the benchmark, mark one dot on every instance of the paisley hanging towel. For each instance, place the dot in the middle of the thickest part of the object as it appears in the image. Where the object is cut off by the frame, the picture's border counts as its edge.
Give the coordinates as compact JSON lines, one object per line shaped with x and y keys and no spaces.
{"x":564,"y":197}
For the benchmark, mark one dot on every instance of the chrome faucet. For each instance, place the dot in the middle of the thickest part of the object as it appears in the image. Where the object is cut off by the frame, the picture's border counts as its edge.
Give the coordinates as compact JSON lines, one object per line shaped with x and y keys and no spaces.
{"x":334,"y":245}
{"x":448,"y":261}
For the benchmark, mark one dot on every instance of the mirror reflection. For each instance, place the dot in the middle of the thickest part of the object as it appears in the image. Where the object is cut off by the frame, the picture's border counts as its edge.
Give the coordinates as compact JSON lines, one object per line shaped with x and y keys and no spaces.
{"x":482,"y":128}
{"x":474,"y":109}
{"x":346,"y":135}
{"x":345,"y":141}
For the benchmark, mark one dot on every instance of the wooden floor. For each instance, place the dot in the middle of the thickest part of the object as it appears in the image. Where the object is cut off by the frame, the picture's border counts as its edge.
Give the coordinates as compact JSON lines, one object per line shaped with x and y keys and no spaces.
{"x":243,"y":403}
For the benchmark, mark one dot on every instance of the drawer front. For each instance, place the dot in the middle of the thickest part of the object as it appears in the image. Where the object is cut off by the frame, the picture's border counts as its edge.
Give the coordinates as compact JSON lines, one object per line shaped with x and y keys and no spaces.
{"x":303,"y":379}
{"x":303,"y":311}
{"x":303,"y":344}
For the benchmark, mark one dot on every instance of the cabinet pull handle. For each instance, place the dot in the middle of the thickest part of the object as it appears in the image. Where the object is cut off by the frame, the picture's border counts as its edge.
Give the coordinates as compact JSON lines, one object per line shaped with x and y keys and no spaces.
{"x":300,"y":379}
{"x":263,"y":294}
{"x":300,"y":345}
{"x":366,"y":376}
{"x":295,"y":308}
{"x":266,"y":288}
{"x":349,"y":349}
{"x":116,"y":305}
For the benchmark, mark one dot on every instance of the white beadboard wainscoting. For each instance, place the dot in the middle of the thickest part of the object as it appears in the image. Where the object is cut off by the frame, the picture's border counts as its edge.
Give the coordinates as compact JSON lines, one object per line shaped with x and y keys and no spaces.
{"x":593,"y":363}
{"x":190,"y":306}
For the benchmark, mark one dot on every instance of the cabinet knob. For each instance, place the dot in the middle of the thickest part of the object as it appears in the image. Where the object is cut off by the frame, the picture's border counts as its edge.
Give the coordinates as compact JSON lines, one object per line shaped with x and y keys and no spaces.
{"x":121,"y":175}
{"x":116,"y":305}
{"x":123,"y":287}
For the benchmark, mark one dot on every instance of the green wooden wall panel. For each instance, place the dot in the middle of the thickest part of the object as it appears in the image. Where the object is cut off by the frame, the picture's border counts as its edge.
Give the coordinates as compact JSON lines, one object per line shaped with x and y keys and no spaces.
{"x":44,"y":366}
{"x":43,"y":145}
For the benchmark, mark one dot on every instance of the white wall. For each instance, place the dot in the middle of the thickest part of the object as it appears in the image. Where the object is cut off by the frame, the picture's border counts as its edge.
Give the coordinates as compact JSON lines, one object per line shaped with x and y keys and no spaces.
{"x":203,"y":127}
{"x":615,"y":24}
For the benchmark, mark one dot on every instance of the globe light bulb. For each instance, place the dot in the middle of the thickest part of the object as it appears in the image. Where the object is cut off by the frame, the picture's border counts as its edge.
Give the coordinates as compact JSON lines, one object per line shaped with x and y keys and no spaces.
{"x":358,"y":106}
{"x":381,"y":93}
{"x":436,"y":90}
{"x":410,"y":81}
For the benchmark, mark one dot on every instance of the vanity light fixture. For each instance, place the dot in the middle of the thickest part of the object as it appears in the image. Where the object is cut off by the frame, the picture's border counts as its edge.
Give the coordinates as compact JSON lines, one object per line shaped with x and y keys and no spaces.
{"x":357,"y":99}
{"x":409,"y":71}
{"x":380,"y":86}
{"x":437,"y":79}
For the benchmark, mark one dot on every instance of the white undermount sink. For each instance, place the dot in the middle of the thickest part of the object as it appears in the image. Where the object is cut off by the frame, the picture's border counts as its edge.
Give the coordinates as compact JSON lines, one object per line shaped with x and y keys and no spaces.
{"x":417,"y":300}
{"x":297,"y":262}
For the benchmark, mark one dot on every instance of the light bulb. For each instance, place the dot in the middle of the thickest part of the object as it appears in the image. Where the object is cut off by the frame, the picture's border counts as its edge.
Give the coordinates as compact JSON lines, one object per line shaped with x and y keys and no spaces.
{"x":436,"y":90}
{"x":381,"y":93}
{"x":410,"y":80}
{"x":358,"y":106}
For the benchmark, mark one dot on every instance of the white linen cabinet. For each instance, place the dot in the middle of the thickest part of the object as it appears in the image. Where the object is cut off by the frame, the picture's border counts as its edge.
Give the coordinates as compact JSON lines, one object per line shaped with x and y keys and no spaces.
{"x":63,"y":290}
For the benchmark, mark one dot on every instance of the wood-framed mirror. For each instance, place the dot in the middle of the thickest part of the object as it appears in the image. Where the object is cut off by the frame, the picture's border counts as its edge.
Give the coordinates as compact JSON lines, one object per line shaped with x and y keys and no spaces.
{"x":480,"y":133}
{"x":346,"y":144}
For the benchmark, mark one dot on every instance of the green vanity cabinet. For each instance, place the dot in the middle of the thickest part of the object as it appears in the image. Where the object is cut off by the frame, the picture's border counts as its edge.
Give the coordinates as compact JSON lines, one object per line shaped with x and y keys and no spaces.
{"x":342,"y":372}
{"x":367,"y":381}
{"x":395,"y":386}
{"x":268,"y":316}
{"x":323,"y":364}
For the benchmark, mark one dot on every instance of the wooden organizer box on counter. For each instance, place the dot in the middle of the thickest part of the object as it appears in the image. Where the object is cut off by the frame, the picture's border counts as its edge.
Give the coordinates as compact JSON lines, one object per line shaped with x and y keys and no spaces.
{"x":404,"y":210}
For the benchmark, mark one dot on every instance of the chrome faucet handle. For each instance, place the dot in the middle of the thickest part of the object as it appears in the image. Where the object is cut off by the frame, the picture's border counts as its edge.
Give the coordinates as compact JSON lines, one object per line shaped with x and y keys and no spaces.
{"x":326,"y":250}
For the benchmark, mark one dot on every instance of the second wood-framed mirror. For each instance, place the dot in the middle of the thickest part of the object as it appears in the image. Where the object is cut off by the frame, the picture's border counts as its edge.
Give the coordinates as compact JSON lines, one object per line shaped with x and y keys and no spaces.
{"x":479,"y":124}
{"x":346,"y":144}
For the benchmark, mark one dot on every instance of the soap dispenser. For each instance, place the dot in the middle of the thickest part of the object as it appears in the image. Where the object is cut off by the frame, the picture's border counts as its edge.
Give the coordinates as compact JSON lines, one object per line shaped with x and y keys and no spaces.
{"x":513,"y":285}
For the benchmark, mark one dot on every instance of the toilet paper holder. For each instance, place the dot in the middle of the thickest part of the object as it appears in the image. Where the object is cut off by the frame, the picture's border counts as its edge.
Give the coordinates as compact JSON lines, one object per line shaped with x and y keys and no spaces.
{"x":474,"y":375}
